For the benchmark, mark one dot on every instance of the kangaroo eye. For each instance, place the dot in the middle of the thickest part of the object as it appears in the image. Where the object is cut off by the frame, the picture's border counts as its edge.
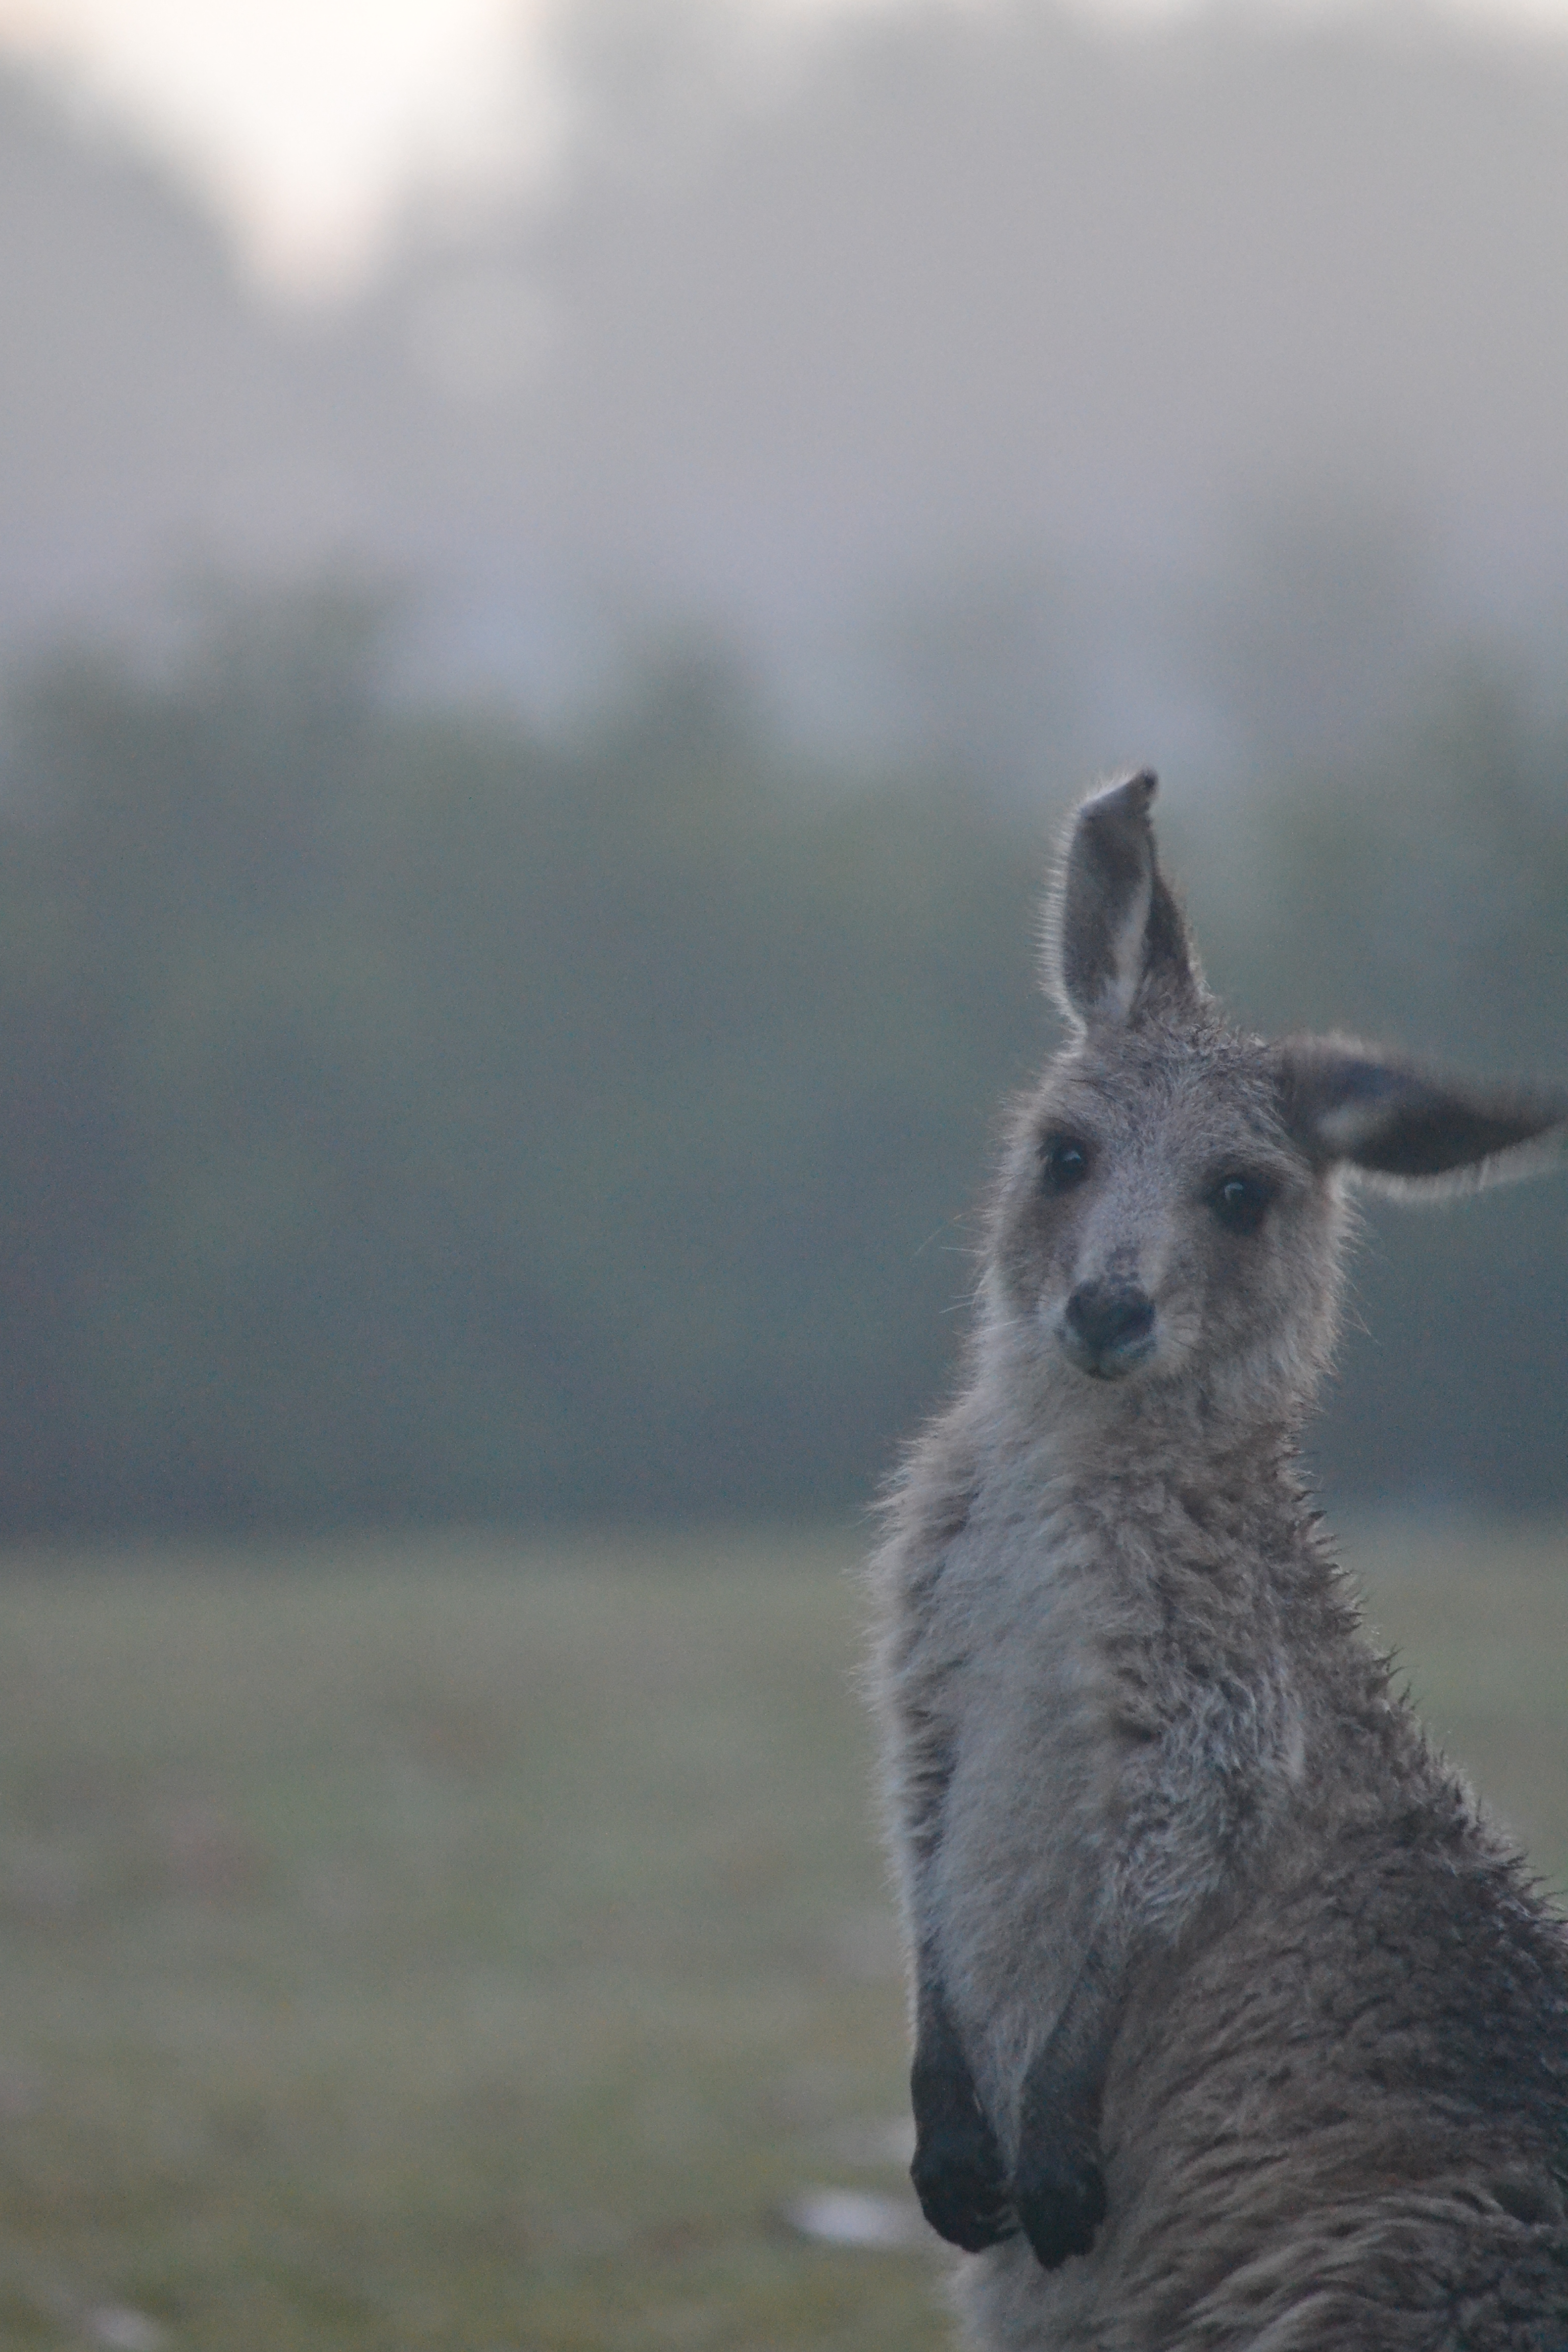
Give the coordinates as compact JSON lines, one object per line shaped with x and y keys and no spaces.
{"x":1064,"y":1162}
{"x":1241,"y":1202}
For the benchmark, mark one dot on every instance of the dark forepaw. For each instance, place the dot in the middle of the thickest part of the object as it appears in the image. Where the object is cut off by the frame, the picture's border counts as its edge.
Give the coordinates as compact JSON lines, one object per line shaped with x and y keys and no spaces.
{"x":1059,"y":2205}
{"x":957,"y":2174}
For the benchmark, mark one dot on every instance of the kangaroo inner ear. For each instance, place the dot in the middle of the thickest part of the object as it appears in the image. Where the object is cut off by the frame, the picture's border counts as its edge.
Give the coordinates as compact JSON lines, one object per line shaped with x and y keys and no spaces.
{"x":1345,"y":1103}
{"x":1114,"y":935}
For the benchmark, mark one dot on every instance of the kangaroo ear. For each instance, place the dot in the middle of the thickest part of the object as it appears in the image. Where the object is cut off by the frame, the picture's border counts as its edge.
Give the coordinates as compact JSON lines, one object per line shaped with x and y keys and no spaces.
{"x":1115,"y":939}
{"x":1407,"y":1129}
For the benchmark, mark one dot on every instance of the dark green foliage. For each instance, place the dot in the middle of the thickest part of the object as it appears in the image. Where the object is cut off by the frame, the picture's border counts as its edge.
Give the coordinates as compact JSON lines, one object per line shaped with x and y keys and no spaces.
{"x":406,"y":1115}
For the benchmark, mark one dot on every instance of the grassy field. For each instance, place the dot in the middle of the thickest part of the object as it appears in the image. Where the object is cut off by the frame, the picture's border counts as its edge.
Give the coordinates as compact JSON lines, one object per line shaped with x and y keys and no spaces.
{"x":455,"y":1944}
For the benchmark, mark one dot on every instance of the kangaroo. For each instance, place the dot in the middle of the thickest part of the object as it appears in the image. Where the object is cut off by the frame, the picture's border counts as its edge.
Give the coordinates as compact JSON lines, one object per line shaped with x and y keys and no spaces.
{"x":1236,"y":2023}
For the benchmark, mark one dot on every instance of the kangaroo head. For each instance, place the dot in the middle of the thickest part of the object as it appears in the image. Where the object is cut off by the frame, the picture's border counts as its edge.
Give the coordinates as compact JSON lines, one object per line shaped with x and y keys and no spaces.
{"x":1173,"y":1211}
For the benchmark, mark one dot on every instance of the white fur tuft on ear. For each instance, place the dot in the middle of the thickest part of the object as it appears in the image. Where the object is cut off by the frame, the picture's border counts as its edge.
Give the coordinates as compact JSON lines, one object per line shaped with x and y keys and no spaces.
{"x":1409,"y":1131}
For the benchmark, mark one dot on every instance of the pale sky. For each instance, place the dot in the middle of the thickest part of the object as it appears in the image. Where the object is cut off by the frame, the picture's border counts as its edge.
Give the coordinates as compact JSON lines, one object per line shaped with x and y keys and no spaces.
{"x":305,"y":121}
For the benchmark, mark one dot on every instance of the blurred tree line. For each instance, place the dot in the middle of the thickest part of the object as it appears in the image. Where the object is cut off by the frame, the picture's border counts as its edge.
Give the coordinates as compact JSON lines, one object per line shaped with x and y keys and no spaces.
{"x":408,"y":1114}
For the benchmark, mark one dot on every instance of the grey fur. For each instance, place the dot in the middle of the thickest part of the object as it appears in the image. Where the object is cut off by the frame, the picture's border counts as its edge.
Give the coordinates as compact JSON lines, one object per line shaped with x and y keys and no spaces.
{"x":1238,"y":2024}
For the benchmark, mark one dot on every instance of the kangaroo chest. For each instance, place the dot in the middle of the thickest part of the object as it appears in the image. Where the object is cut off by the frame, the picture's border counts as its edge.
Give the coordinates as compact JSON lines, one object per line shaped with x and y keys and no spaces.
{"x":1102,"y":1745}
{"x":1035,"y":1756}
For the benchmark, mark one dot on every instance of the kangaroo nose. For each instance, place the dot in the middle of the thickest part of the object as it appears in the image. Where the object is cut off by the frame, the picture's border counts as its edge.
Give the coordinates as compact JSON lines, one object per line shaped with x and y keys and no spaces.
{"x":1107,"y":1323}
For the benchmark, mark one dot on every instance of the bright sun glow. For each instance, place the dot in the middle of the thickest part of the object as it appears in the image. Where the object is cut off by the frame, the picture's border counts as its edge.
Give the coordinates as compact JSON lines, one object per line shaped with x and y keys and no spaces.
{"x":307,"y":121}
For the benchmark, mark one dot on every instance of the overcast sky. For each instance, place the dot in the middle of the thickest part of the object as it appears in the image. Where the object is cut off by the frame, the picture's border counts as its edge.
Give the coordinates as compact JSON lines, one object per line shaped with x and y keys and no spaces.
{"x":307,"y":121}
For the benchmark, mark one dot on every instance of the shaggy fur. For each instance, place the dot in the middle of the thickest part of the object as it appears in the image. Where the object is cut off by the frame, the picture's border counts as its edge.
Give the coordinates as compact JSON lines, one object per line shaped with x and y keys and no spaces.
{"x":1237,"y":2022}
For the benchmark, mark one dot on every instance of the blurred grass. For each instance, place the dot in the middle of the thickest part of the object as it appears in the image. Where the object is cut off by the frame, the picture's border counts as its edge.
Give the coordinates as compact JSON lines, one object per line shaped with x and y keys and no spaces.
{"x":442,"y":1944}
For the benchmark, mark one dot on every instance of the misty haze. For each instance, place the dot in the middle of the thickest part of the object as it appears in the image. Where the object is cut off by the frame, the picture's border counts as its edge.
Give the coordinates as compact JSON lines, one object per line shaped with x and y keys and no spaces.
{"x":525,"y":788}
{"x":981,"y":328}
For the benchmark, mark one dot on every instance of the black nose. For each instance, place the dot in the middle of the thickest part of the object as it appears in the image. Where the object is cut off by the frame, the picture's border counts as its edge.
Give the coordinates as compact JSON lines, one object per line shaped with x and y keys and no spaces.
{"x":1109,"y":1319}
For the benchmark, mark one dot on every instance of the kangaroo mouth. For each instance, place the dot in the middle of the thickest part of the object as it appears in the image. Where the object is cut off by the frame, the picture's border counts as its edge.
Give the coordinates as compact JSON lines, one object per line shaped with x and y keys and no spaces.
{"x":1109,"y":1360}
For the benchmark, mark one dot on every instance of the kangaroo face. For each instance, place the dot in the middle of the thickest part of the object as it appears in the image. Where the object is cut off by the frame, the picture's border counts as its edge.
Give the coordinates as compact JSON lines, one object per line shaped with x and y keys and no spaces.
{"x":1158,"y":1220}
{"x":1173,"y":1211}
